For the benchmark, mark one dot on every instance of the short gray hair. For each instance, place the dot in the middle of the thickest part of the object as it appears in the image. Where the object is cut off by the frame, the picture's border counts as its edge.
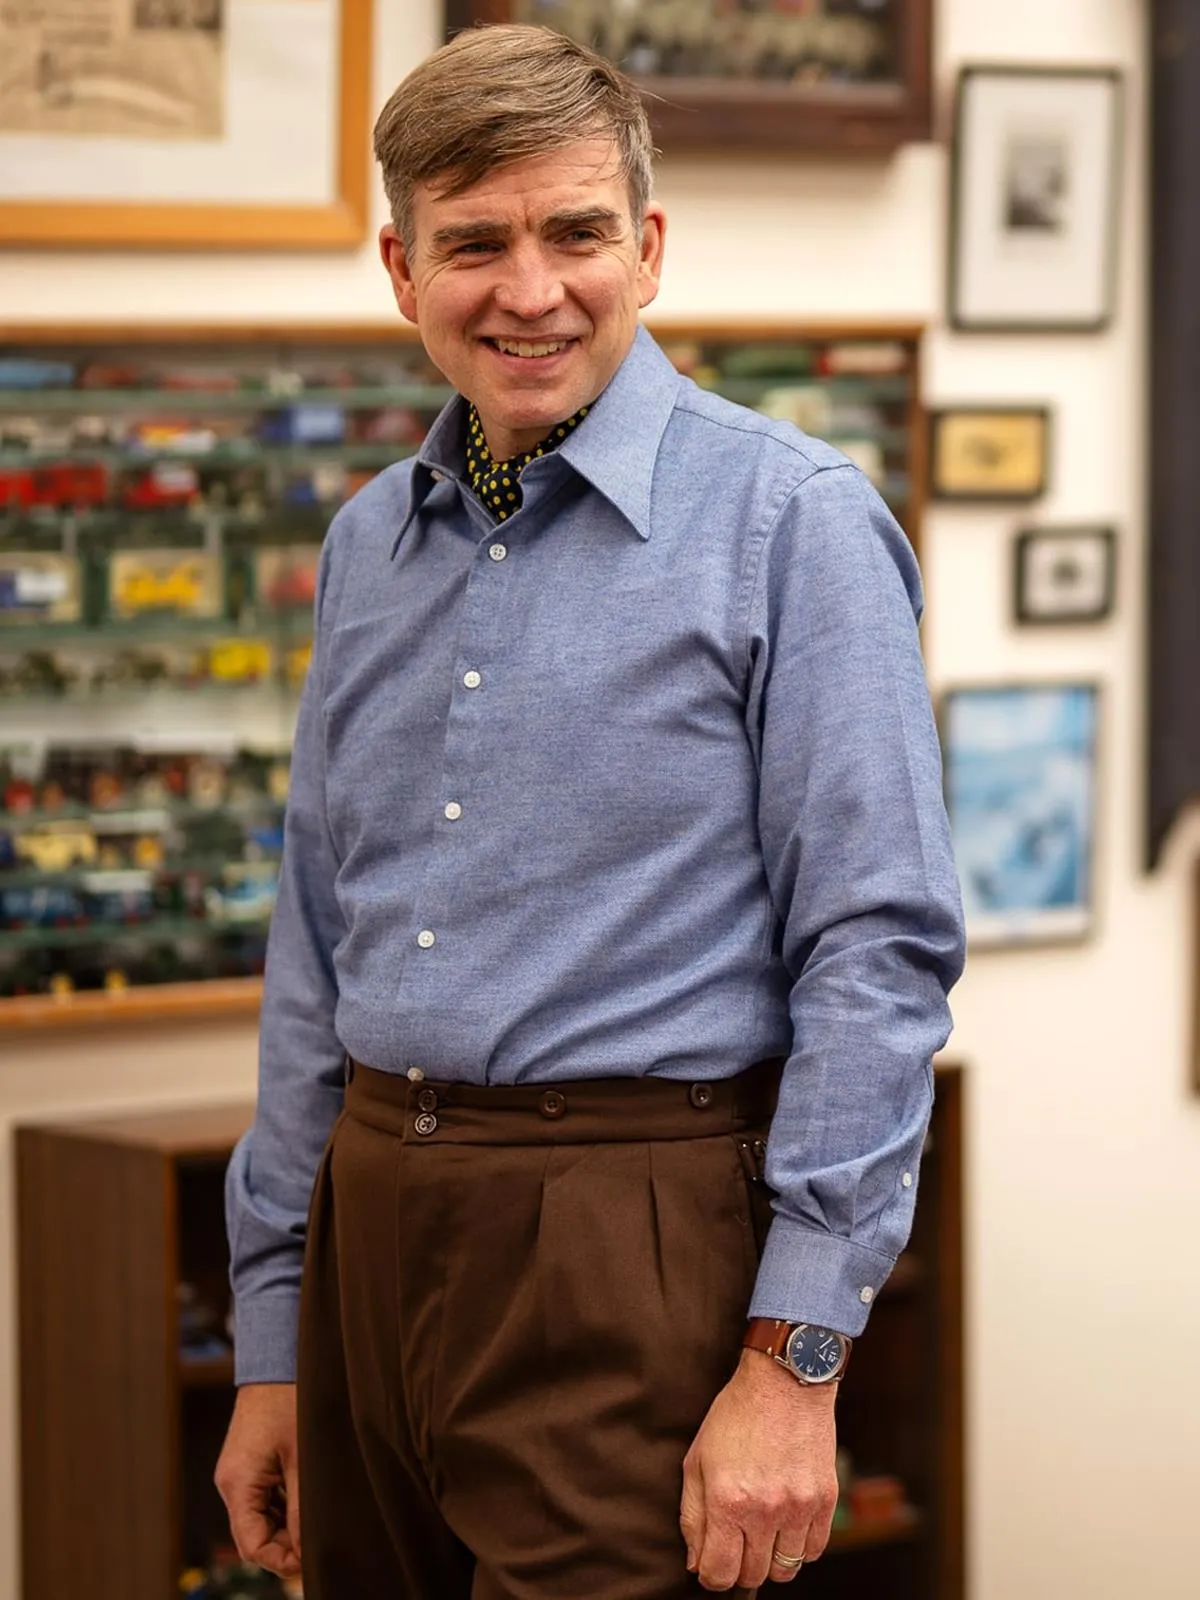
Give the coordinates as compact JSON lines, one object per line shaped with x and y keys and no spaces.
{"x":499,"y":94}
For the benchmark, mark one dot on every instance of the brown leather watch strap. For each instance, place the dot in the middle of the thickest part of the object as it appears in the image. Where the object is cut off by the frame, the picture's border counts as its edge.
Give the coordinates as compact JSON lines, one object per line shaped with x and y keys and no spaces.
{"x":766,"y":1335}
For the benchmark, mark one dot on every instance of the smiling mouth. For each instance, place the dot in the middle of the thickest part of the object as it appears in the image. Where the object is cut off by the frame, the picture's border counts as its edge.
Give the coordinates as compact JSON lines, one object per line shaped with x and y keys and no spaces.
{"x":529,"y":349}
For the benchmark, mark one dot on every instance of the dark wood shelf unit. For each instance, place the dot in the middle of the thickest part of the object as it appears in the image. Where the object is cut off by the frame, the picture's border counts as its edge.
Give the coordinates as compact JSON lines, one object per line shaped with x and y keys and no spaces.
{"x":117,"y":1441}
{"x":900,"y":1410}
{"x":120,"y":1434}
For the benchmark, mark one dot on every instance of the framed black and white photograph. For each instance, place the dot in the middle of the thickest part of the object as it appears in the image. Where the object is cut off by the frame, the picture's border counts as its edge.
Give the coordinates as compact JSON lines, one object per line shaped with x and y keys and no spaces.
{"x":1064,"y":575}
{"x":1020,"y":776}
{"x":1035,"y":184}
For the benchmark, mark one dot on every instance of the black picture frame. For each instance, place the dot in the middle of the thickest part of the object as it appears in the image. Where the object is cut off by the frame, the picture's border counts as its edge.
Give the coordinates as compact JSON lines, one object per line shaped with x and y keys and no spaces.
{"x":1057,"y":214}
{"x":989,"y":454}
{"x":1086,"y":595}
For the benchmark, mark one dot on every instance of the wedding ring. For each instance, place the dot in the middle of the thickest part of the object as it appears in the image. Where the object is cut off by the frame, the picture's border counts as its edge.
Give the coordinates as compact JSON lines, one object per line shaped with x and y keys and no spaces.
{"x":792,"y":1563}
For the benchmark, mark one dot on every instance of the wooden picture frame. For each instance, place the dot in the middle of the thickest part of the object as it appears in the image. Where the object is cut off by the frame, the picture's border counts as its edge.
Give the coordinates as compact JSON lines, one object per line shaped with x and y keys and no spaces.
{"x":989,"y":453}
{"x":1035,"y":187}
{"x":1064,"y":575}
{"x":768,"y":112}
{"x":185,"y":213}
{"x":1021,"y":778}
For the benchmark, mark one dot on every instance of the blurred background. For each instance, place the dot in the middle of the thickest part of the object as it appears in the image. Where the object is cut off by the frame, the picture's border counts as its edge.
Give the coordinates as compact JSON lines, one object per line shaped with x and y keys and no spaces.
{"x":922,"y":230}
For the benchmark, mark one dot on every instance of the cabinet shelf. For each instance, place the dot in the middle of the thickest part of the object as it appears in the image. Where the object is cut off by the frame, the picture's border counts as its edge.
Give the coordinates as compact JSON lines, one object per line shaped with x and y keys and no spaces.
{"x":231,"y":455}
{"x":215,"y":402}
{"x":211,"y":1000}
{"x":161,"y":929}
{"x":156,"y":628}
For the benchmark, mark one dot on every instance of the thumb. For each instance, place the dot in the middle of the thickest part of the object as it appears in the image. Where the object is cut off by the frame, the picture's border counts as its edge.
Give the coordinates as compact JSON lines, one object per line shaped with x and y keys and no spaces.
{"x":691,"y":1512}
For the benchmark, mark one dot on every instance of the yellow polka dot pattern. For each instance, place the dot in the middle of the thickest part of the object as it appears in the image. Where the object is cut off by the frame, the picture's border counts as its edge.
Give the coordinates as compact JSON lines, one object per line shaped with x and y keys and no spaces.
{"x":498,"y":483}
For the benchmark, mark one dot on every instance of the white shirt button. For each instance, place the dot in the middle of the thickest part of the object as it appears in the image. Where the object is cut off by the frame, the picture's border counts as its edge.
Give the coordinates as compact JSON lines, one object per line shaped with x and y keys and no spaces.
{"x":414,"y":1075}
{"x":498,"y":552}
{"x":866,"y":1295}
{"x":426,"y":939}
{"x":453,"y":811}
{"x":472,"y":679}
{"x":906,"y":1180}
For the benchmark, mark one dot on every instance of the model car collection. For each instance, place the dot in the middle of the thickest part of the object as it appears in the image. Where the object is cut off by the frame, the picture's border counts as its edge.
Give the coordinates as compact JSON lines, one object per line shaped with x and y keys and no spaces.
{"x":119,"y":865}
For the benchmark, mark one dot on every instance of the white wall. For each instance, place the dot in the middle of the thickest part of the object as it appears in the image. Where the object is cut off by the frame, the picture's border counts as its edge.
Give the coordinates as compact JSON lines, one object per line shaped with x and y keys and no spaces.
{"x":1084,"y":1146}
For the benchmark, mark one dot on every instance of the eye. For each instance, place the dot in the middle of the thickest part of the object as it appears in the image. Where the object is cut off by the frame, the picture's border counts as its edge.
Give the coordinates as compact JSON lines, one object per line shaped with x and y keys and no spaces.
{"x":476,"y":247}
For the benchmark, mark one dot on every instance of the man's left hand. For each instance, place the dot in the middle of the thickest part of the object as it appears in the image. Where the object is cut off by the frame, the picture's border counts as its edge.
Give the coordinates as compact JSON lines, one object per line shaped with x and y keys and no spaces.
{"x":759,"y":1478}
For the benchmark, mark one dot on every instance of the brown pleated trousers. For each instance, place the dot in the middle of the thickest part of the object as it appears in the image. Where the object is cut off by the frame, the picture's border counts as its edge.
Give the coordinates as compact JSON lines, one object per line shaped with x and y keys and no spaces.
{"x":518,"y":1305}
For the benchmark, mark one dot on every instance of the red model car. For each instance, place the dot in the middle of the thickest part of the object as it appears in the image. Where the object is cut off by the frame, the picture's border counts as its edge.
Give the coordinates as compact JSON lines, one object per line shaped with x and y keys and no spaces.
{"x":66,"y":485}
{"x":159,"y":487}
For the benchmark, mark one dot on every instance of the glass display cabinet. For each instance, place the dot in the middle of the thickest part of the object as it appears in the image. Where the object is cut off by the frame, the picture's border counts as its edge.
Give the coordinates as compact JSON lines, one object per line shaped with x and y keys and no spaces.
{"x":163,"y":496}
{"x":827,"y":75}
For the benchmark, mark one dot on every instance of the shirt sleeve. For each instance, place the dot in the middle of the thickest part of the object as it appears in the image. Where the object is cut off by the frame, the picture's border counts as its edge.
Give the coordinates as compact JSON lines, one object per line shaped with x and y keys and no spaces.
{"x":861,"y":869}
{"x":301,"y":1063}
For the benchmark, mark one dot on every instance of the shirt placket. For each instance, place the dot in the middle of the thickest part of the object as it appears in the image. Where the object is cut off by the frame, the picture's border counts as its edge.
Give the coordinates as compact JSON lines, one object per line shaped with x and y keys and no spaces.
{"x":477,"y":696}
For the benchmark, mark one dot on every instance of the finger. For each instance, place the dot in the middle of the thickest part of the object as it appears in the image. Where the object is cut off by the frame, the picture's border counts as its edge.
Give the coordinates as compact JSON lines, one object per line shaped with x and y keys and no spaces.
{"x":790,"y":1542}
{"x":248,"y":1525}
{"x":292,"y":1480}
{"x":257,"y":1521}
{"x":721,"y":1555}
{"x":819,"y":1528}
{"x":757,"y":1553}
{"x":691,"y":1514}
{"x":277,"y":1556}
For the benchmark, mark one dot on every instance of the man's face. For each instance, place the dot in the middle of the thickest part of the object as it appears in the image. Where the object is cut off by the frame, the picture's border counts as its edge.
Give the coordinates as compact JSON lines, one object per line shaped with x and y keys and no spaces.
{"x":526,"y":287}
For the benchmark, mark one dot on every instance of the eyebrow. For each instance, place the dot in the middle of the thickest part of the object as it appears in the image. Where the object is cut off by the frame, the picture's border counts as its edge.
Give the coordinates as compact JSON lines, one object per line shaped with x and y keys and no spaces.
{"x":470,"y":232}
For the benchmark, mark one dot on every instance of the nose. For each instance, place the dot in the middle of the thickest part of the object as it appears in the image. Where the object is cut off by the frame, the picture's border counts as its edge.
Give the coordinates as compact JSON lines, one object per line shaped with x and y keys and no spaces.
{"x":530,"y":284}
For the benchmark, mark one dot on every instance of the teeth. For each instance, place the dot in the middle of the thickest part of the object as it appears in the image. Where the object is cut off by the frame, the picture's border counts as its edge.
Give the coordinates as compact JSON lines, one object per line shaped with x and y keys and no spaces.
{"x":514,"y":347}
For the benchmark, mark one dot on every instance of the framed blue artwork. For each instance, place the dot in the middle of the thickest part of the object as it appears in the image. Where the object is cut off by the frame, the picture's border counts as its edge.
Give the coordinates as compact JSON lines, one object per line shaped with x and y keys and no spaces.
{"x":1020,"y":777}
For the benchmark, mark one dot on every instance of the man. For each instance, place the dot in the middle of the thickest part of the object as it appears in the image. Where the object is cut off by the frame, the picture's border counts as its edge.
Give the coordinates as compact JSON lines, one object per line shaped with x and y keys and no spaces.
{"x":615,"y":819}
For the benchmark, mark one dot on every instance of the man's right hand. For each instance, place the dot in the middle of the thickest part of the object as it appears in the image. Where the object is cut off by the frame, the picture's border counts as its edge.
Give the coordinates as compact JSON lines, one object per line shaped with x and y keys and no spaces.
{"x":258,"y":1479}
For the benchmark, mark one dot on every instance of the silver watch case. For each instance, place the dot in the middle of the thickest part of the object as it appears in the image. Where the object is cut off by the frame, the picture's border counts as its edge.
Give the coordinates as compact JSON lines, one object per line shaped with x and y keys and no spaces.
{"x":789,"y":1356}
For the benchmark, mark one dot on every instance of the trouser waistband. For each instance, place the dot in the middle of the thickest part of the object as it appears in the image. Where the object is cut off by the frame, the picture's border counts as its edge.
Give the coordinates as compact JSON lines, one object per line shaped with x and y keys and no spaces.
{"x":578,"y":1111}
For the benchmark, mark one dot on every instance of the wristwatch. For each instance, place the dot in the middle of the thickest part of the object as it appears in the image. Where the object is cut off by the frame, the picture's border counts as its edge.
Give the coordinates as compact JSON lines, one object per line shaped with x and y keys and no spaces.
{"x":811,"y":1354}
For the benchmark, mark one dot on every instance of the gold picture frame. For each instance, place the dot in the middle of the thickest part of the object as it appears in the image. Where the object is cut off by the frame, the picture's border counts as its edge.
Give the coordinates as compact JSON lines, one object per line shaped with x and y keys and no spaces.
{"x":989,"y":453}
{"x":130,"y":218}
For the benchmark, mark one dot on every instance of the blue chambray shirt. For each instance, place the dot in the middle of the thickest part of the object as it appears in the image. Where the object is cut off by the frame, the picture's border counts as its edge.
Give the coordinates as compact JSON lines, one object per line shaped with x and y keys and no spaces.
{"x":643,"y":779}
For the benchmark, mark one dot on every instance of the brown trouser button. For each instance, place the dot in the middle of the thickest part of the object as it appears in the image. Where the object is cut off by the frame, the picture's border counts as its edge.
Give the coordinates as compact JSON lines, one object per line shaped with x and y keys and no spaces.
{"x":427,"y":1100}
{"x":553,"y":1104}
{"x":700,"y":1094}
{"x":425,"y":1123}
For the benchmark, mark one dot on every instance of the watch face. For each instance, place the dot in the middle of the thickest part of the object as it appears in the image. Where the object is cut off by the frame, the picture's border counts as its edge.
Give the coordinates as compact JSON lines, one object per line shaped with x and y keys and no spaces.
{"x":815,"y":1354}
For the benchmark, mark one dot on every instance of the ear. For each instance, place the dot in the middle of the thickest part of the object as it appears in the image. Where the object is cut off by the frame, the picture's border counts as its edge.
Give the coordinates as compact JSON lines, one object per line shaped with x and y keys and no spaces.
{"x":395,"y":260}
{"x":650,"y":257}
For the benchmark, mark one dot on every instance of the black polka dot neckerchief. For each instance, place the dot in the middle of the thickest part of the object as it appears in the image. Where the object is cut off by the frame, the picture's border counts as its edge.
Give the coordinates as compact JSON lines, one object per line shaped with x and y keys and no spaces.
{"x":498,"y":483}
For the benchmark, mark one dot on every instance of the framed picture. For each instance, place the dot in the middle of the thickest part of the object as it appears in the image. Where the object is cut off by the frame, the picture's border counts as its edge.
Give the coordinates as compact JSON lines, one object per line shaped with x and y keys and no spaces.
{"x":1034,"y":177}
{"x":1020,"y":774}
{"x":989,"y":452}
{"x":760,"y":73}
{"x":185,"y":123}
{"x":1063,"y":575}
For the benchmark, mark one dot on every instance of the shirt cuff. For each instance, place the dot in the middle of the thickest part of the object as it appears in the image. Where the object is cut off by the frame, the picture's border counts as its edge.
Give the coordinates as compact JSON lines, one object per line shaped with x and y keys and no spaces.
{"x":809,"y":1276}
{"x":265,"y":1330}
